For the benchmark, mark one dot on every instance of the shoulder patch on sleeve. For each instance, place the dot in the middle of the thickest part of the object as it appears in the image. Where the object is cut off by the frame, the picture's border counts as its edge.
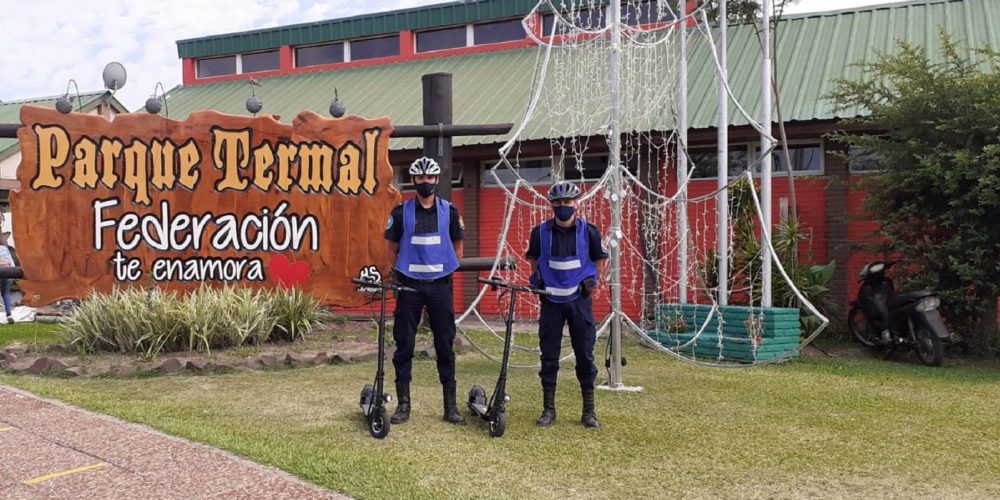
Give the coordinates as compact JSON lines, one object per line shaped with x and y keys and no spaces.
{"x":461,"y":223}
{"x":388,"y":224}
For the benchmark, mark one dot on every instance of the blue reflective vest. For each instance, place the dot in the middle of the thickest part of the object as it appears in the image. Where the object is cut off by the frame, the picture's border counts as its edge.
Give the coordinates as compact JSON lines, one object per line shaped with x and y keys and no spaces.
{"x":563,"y":275}
{"x":430,"y":255}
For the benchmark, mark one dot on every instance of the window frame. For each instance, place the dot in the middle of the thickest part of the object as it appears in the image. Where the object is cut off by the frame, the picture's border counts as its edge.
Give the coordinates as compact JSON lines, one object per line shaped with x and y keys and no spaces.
{"x":746,"y":147}
{"x":655,"y":3}
{"x":820,"y":143}
{"x":488,"y":164}
{"x":349,"y":47}
{"x":466,"y":41}
{"x":343,"y":54}
{"x":239,"y":63}
{"x":855,"y":171}
{"x":402,"y":173}
{"x":751,"y":151}
{"x":515,"y":21}
{"x":236,"y":65}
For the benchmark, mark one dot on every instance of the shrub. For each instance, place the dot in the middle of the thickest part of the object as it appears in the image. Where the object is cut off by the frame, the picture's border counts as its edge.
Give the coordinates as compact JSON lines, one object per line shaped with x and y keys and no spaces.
{"x":150,"y":321}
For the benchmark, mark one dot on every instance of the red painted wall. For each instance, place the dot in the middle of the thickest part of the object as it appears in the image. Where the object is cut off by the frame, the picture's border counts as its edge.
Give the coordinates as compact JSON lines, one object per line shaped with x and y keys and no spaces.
{"x":811,"y":194}
{"x":859,"y":229}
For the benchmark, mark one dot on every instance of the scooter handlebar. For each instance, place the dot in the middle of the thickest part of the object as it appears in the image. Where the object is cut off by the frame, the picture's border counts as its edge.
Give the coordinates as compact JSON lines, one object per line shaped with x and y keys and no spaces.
{"x":382,"y":285}
{"x":498,"y":283}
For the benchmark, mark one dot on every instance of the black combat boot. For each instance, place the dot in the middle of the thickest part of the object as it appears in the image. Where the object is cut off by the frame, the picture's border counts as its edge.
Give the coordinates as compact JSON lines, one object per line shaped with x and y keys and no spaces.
{"x":451,"y":414}
{"x":589,"y":418}
{"x":402,"y":413}
{"x":548,"y":416}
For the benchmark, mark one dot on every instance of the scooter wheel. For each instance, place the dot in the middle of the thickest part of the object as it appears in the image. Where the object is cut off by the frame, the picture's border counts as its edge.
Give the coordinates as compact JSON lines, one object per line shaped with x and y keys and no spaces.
{"x":498,"y":425}
{"x":378,"y":425}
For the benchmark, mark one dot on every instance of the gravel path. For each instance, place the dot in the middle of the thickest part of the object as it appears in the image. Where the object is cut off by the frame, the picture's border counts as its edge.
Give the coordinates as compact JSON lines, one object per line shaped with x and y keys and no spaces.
{"x":51,"y":450}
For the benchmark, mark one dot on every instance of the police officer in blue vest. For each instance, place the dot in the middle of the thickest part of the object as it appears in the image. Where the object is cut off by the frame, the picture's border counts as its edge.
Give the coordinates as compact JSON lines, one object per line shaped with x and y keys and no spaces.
{"x":568,"y":258}
{"x":425,"y":241}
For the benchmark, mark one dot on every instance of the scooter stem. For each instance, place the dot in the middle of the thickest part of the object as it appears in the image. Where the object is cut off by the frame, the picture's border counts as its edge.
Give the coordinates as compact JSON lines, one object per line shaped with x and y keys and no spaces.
{"x":501,"y":389}
{"x":380,"y":371}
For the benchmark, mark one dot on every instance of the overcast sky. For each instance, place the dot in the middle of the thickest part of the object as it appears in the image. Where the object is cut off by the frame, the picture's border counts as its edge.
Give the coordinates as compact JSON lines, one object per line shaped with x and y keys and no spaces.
{"x":47,"y":42}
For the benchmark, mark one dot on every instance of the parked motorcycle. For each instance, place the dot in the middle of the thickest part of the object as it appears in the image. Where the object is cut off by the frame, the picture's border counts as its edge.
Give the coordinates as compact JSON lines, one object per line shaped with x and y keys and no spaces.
{"x":881,"y":319}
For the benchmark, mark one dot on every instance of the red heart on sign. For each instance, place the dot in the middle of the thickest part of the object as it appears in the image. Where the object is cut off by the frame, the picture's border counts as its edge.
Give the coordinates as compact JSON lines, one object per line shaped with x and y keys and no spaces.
{"x":286,"y":273}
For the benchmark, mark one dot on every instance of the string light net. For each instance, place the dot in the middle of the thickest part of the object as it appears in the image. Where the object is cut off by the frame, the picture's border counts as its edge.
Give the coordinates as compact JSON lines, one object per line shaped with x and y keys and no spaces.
{"x":669,"y":232}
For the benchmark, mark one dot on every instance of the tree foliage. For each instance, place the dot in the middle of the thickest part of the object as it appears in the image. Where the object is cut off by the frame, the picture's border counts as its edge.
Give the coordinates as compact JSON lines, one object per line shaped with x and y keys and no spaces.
{"x":747,"y":11}
{"x":937,"y":197}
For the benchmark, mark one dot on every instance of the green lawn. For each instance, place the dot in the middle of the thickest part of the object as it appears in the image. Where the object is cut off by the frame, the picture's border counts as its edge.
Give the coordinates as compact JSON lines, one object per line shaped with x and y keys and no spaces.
{"x":29,"y":333}
{"x":830,"y":428}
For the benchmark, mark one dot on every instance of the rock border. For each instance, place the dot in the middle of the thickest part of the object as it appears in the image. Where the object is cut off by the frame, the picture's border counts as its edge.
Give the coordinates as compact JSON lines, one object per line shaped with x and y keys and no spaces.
{"x":12,"y":360}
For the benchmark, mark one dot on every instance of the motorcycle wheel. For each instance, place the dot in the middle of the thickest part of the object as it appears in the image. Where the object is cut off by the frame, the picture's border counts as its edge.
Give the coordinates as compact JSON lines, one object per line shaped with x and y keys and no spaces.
{"x":860,"y":328}
{"x":930,"y":349}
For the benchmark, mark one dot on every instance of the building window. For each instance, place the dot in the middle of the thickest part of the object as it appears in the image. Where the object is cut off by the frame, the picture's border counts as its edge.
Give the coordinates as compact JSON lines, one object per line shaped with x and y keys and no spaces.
{"x":644,"y":12}
{"x":373,"y":48}
{"x":704,"y":162}
{"x":806,"y":159}
{"x":260,"y":61}
{"x":539,"y":170}
{"x":533,"y":171}
{"x":587,"y":19}
{"x":447,"y":38}
{"x":405,"y":180}
{"x":860,"y":162}
{"x":319,"y":54}
{"x":500,"y":31}
{"x":216,"y":66}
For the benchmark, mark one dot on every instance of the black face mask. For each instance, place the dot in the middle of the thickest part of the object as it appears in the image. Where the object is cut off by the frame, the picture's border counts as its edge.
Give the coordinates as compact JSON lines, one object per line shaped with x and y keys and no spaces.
{"x":425,"y":189}
{"x":564,"y":213}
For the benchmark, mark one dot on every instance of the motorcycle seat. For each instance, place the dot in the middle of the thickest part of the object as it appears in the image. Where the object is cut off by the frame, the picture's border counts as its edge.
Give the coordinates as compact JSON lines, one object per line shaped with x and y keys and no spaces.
{"x":907,"y":298}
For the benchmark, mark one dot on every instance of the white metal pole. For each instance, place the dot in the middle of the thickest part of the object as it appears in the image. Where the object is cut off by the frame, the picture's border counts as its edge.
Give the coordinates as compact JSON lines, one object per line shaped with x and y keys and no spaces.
{"x":614,"y":146}
{"x":765,"y":147}
{"x":682,"y":157}
{"x":722,"y":203}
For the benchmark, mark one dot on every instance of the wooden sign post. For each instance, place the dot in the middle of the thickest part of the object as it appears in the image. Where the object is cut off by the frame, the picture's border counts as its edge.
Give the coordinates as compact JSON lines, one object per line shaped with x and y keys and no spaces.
{"x":218,"y":199}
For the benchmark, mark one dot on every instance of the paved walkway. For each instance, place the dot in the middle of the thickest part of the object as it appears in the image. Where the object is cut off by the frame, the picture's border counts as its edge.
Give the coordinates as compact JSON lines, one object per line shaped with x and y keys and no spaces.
{"x":51,"y":450}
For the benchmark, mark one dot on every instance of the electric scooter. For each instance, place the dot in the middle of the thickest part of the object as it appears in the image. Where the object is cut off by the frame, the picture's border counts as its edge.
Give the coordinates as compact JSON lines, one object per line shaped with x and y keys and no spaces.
{"x":373,"y":396}
{"x":494,"y":412}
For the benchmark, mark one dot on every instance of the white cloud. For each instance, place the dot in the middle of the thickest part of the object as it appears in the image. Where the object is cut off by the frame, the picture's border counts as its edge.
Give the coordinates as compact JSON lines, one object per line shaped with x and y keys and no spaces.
{"x":47,"y":43}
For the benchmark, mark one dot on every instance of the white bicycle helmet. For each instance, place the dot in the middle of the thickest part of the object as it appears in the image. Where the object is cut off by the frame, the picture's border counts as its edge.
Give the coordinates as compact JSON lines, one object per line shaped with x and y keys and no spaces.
{"x":563,"y":190}
{"x":425,"y":166}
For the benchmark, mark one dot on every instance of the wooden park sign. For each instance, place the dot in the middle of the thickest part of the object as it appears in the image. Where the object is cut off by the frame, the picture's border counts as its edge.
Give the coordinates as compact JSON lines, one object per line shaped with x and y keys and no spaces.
{"x":218,"y":199}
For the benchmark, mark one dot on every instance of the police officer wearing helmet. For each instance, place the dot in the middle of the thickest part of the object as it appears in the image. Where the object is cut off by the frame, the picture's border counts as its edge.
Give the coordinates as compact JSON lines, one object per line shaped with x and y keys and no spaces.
{"x":568,"y":258}
{"x":425,"y":241}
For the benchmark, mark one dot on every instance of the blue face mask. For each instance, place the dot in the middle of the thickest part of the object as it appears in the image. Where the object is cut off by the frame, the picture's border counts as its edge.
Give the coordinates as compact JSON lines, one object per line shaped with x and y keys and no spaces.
{"x":425,"y":189}
{"x":564,"y":213}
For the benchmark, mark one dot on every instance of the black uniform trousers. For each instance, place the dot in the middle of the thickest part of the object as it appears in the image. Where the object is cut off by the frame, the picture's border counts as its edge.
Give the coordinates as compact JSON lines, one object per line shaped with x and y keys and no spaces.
{"x":582,"y":334}
{"x":437,"y":296}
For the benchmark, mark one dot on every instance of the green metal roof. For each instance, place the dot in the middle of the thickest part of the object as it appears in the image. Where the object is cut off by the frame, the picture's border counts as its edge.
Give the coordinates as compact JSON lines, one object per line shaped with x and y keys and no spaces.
{"x":354,"y":27}
{"x":814,"y":50}
{"x":10,"y":112}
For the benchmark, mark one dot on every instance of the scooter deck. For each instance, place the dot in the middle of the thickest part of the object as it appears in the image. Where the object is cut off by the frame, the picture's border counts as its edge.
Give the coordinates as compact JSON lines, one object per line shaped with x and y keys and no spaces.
{"x":479,"y":409}
{"x":366,"y":408}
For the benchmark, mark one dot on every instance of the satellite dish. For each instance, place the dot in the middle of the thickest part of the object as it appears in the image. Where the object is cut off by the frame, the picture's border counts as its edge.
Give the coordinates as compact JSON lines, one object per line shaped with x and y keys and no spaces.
{"x":114,"y":76}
